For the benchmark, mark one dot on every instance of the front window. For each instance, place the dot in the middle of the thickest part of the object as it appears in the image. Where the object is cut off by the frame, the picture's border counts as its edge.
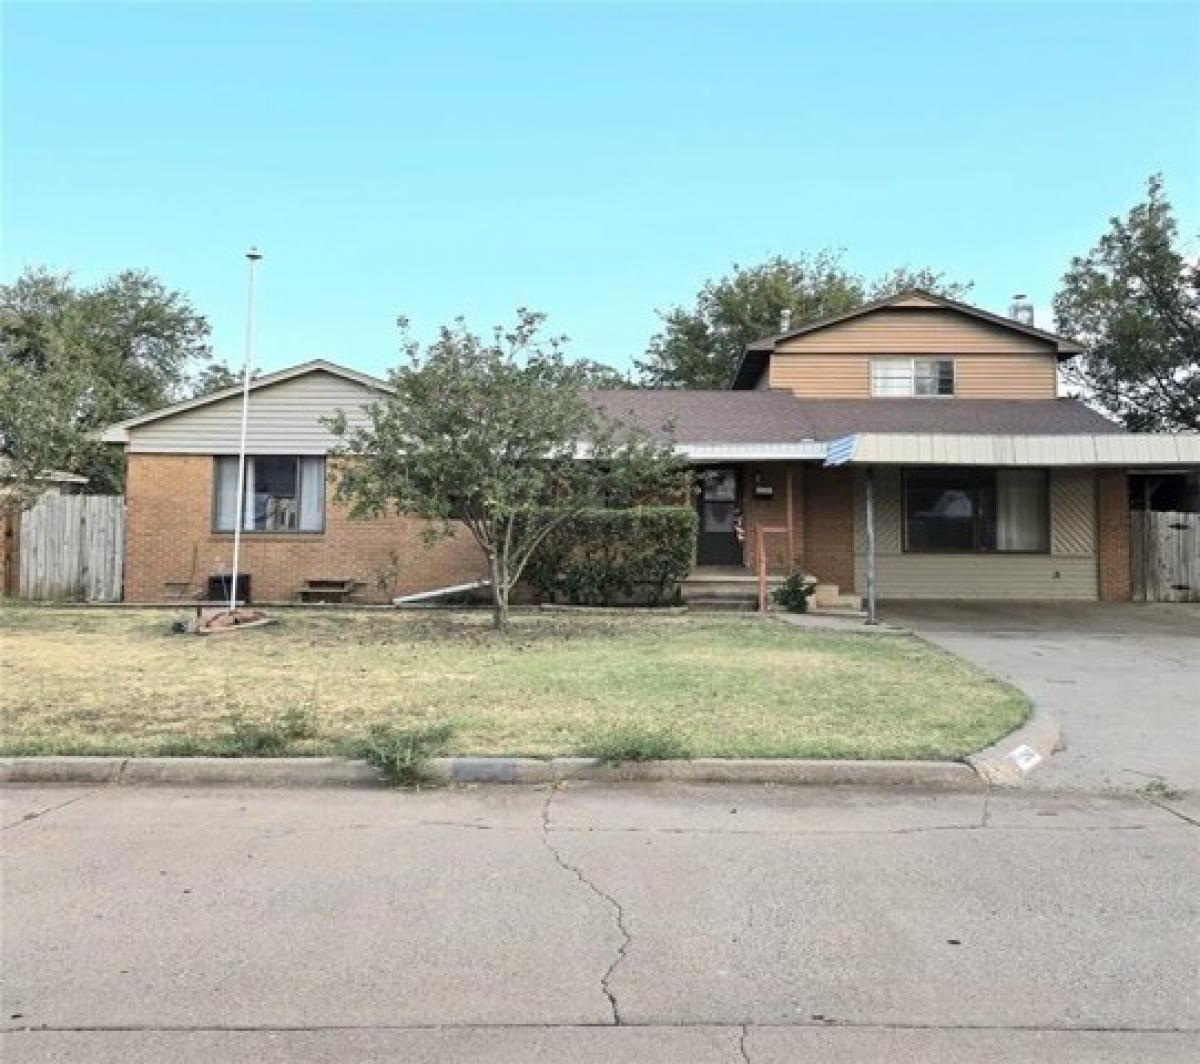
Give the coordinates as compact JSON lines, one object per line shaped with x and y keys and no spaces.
{"x":912,"y":377}
{"x":976,"y":510}
{"x":283,"y":493}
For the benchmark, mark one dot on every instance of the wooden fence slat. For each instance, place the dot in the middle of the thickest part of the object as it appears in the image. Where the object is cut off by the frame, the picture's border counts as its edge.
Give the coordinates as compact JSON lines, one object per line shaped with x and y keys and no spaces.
{"x":71,"y":548}
{"x":1165,"y":556}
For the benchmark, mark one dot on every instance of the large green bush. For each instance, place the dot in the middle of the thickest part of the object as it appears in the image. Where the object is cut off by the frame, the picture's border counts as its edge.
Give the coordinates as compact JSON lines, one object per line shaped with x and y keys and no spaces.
{"x":614,"y":557}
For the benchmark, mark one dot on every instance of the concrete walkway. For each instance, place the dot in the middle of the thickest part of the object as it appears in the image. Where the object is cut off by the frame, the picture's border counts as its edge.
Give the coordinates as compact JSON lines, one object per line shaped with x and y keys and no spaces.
{"x":1124,"y":679}
{"x":597,"y":924}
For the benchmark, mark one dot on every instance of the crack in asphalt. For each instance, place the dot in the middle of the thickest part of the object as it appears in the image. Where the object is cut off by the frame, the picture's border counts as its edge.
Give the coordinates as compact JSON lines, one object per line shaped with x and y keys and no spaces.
{"x":1174,"y":812}
{"x":618,"y":912}
{"x":30,"y":817}
{"x":742,"y":1047}
{"x":653,"y":1024}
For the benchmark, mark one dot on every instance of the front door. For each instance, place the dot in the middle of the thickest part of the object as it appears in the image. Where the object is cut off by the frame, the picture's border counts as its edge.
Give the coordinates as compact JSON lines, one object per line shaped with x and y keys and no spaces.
{"x":719,"y":542}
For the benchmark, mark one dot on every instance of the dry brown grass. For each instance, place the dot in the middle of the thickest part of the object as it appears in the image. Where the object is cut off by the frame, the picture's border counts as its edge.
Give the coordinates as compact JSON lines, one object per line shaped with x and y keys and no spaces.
{"x":116,"y":681}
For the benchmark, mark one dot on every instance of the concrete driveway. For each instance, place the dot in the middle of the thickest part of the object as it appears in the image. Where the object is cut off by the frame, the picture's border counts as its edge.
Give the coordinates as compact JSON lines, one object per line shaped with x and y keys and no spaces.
{"x":1124,"y":679}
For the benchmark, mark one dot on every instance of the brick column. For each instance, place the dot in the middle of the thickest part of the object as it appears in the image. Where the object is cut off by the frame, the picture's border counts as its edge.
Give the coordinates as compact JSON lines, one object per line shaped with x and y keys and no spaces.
{"x":829,"y":525}
{"x":1112,"y":534}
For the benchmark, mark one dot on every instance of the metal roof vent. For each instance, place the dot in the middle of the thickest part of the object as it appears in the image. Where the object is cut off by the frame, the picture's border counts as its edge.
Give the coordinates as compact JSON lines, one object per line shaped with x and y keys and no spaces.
{"x":1021,"y":310}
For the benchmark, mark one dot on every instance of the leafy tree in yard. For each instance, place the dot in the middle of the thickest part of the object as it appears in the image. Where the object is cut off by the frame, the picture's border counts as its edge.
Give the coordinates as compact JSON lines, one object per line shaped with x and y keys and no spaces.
{"x":1134,"y":303}
{"x":486,"y":435}
{"x":700,"y":347}
{"x":75,"y":359}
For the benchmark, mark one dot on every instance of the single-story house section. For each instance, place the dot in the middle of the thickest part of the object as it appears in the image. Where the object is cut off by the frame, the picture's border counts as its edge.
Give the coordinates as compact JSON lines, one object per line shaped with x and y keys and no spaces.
{"x":917,"y":441}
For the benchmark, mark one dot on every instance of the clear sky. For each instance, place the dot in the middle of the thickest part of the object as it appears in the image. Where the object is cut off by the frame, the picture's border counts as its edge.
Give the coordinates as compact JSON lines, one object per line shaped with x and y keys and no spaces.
{"x":595,"y":162}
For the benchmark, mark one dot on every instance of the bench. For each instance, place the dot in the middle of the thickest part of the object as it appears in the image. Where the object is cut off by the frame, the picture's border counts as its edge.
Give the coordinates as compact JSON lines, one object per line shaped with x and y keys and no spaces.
{"x":327,"y":591}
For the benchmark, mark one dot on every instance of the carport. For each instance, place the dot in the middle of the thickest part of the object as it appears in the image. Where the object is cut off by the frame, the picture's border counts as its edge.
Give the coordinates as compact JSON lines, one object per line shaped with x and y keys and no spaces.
{"x":986,"y":502}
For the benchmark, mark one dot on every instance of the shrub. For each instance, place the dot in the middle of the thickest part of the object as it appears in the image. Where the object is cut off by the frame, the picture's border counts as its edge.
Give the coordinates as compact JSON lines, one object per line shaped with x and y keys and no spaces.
{"x":400,"y":753}
{"x":615,"y":557}
{"x":793,"y":594}
{"x":632,"y":743}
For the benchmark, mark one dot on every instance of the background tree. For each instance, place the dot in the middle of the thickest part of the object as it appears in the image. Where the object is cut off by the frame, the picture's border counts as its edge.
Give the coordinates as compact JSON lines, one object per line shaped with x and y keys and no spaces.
{"x":1133,"y":301}
{"x":700,"y":347}
{"x":217,"y":376}
{"x":487,"y":435}
{"x":84,"y":358}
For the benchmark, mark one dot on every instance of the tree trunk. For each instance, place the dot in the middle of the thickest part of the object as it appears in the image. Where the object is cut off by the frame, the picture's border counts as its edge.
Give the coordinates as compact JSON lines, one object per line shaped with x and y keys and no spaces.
{"x":499,"y":594}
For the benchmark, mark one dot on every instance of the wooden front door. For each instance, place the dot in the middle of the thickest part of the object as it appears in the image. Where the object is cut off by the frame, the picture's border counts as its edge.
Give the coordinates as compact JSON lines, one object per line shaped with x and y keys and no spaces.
{"x":719,"y":503}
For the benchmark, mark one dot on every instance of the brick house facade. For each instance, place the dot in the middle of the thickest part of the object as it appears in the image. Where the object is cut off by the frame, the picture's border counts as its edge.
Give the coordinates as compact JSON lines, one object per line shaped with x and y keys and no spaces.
{"x":171,"y":549}
{"x":1002,"y":493}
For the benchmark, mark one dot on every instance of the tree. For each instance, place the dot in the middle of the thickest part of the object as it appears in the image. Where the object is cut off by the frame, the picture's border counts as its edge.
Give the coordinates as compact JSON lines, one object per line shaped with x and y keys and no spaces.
{"x":86,"y":357}
{"x":1133,"y":302}
{"x":217,"y":376}
{"x":700,"y":347}
{"x":495,"y":436}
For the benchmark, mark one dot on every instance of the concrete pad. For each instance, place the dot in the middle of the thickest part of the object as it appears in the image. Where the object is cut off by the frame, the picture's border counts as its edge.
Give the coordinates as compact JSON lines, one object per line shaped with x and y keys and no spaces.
{"x":580,"y":1045}
{"x":757,"y":808}
{"x":940,"y":928}
{"x":781,"y":1045}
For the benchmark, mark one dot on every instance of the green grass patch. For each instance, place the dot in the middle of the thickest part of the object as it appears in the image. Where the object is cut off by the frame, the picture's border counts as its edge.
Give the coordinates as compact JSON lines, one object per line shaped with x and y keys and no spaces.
{"x":92,"y":681}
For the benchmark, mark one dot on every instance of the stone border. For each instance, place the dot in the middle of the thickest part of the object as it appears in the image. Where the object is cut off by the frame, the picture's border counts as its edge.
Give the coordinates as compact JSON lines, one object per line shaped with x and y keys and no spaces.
{"x":343,"y":772}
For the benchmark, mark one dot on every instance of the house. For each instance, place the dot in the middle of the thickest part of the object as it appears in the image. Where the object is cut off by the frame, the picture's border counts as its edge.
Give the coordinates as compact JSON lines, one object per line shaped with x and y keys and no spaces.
{"x":917,"y":445}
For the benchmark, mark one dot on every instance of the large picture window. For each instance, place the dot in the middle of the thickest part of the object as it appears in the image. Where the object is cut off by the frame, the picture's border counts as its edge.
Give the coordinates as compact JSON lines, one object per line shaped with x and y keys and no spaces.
{"x":891,"y":377}
{"x":976,"y":510}
{"x":283,"y":493}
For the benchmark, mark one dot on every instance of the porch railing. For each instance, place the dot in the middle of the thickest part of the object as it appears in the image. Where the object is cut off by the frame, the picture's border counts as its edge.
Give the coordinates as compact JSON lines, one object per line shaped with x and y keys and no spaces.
{"x":761,"y":532}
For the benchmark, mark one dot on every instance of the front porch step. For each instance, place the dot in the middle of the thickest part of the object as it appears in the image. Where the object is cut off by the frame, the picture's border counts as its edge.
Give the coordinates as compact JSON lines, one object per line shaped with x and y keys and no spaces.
{"x":830,"y":597}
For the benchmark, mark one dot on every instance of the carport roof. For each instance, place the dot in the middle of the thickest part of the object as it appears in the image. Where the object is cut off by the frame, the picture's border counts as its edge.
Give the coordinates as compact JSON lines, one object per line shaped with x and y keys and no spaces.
{"x":1119,"y":450}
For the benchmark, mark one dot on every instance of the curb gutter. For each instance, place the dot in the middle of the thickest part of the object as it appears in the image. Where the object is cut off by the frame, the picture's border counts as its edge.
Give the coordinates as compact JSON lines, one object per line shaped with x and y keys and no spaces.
{"x":343,"y":772}
{"x":1008,"y":762}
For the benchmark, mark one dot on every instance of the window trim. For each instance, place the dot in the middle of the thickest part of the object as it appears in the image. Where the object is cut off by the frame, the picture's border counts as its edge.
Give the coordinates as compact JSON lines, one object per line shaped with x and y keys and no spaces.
{"x":264,"y":532}
{"x":975,"y":552}
{"x":912,"y":361}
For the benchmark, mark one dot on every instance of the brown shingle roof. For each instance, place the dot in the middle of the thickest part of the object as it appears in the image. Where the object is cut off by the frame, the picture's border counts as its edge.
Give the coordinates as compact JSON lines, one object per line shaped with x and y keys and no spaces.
{"x":780,"y":417}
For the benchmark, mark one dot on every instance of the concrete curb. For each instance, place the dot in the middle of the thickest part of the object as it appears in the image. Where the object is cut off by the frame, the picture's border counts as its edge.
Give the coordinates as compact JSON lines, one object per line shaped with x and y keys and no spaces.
{"x":1008,"y":762}
{"x":342,"y":772}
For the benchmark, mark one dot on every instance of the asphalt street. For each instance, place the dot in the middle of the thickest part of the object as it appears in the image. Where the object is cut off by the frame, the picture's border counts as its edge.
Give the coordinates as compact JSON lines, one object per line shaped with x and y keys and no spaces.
{"x":590,"y":923}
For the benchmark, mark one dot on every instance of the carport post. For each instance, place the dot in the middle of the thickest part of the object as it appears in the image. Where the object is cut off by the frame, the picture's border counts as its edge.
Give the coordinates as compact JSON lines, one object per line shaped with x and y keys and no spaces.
{"x":869,"y":479}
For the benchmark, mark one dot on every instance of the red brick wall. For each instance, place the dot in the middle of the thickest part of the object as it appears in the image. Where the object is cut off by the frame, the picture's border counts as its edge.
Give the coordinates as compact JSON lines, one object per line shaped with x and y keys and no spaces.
{"x":829,"y":525}
{"x":1112,"y":534}
{"x":169,"y":539}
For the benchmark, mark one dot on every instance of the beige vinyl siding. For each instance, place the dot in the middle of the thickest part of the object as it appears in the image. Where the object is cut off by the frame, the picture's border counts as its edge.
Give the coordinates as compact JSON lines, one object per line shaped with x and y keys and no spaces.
{"x":1069,"y":571}
{"x":917,"y":332}
{"x":285,"y":418}
{"x":843,"y":376}
{"x":990,"y":362}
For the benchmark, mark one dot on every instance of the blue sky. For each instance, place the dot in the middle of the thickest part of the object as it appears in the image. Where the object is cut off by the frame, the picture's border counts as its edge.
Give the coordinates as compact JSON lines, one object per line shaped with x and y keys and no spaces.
{"x":595,"y":162}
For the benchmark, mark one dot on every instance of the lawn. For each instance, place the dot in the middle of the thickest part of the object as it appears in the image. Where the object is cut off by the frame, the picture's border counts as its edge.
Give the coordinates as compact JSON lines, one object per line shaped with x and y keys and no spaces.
{"x":91,"y":681}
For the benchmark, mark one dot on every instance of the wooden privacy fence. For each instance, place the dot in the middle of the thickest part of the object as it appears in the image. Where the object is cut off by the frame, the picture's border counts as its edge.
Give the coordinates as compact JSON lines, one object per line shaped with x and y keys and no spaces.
{"x":71,"y":548}
{"x":1164,"y":551}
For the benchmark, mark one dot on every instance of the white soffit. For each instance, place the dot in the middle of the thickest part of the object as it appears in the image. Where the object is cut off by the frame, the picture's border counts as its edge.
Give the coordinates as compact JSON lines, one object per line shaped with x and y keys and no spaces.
{"x":1115,"y":449}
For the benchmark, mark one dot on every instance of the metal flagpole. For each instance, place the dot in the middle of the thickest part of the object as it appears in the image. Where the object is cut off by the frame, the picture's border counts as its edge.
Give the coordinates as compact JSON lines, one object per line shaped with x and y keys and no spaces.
{"x":253,"y":255}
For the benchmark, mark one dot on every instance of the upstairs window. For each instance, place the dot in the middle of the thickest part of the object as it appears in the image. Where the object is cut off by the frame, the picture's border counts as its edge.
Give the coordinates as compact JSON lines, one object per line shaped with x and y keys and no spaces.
{"x":912,"y":377}
{"x":283,"y":493}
